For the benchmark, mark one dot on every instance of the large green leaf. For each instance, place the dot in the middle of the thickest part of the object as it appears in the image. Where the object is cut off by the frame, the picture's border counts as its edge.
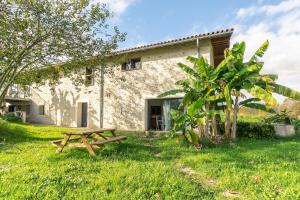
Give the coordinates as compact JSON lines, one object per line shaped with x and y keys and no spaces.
{"x":250,"y":100}
{"x":259,"y":52}
{"x":259,"y":106}
{"x":195,"y":107}
{"x":285,"y":91}
{"x":262,"y":94}
{"x":222,"y":66}
{"x":238,"y":51}
{"x":184,"y":82}
{"x":194,"y":138}
{"x":215,"y":97}
{"x":244,"y":73}
{"x":201,"y":65}
{"x":171,"y":92}
{"x":269,"y":78}
{"x":188,"y":70}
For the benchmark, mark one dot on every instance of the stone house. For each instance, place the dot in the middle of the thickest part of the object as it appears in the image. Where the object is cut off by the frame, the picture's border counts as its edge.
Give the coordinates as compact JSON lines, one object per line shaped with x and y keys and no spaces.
{"x":130,"y":102}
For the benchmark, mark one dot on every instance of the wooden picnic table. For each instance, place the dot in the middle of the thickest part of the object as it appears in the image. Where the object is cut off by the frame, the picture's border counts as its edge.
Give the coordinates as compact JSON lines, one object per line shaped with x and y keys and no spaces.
{"x":97,"y":139}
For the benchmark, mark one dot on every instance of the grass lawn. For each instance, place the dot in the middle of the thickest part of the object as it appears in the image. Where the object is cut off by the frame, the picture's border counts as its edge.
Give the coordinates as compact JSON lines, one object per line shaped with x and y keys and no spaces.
{"x":145,"y":168}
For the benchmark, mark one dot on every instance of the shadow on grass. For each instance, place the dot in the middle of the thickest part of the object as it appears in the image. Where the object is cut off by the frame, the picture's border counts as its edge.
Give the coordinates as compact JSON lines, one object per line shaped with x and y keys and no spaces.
{"x":248,"y":154}
{"x":134,"y":148}
{"x":12,"y":133}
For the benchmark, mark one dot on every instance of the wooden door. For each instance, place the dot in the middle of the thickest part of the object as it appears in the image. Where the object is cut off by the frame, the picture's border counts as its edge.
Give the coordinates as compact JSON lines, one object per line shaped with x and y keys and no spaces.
{"x":84,"y":114}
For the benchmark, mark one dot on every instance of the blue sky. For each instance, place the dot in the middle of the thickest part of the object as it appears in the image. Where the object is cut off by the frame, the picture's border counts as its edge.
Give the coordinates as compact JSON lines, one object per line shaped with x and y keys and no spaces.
{"x":148,"y":21}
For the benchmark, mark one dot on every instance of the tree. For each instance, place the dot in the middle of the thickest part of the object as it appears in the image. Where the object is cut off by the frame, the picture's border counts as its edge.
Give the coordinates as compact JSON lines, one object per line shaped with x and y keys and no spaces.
{"x":37,"y":36}
{"x":239,"y":75}
{"x":209,"y":90}
{"x":242,"y":75}
{"x":201,"y":95}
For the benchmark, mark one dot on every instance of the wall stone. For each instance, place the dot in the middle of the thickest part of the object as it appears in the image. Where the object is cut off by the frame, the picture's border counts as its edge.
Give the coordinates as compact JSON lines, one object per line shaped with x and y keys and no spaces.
{"x":125,"y":93}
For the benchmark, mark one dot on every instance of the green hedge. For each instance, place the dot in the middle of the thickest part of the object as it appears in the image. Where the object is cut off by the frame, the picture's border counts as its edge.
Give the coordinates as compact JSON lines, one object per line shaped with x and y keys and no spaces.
{"x":253,"y":130}
{"x":296,"y":124}
{"x":11,"y":118}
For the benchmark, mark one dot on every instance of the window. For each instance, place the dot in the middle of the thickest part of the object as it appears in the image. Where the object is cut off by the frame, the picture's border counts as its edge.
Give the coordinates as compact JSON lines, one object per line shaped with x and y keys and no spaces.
{"x":41,"y":110}
{"x":132,"y":64}
{"x":89,"y":76}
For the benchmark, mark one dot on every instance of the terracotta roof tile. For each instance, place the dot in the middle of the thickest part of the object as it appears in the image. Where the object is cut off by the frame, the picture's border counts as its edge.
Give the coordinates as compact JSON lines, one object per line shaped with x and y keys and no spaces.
{"x":178,"y":40}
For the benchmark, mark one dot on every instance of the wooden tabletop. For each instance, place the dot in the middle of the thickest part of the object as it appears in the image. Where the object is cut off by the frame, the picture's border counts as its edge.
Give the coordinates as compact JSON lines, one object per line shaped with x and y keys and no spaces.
{"x":89,"y":132}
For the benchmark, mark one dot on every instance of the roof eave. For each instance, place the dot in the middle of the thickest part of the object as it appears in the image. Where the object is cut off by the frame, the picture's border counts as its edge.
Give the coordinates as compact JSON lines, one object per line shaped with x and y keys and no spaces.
{"x":227,"y":32}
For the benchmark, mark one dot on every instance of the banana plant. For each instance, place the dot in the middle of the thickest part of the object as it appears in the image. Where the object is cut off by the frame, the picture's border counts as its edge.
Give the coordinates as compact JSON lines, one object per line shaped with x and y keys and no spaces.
{"x":207,"y":89}
{"x":240,"y":75}
{"x":200,"y":91}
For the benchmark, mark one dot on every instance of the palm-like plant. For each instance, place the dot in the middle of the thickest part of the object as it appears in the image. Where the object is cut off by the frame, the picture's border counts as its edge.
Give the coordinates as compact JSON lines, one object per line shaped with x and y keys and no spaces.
{"x":199,"y":90}
{"x":240,"y":75}
{"x":207,"y":89}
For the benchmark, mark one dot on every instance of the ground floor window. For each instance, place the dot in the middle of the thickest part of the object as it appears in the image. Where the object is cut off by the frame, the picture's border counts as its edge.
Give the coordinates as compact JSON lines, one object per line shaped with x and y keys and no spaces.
{"x":159,"y":117}
{"x":11,"y":108}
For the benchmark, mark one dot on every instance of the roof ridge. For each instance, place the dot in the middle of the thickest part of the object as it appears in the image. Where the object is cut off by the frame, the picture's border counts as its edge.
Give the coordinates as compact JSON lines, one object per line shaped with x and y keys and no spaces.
{"x":178,"y":40}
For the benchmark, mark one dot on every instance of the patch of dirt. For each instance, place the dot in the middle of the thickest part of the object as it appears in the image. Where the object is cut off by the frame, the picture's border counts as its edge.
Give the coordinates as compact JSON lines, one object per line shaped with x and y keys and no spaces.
{"x":232,"y":194}
{"x":212,"y":182}
{"x":187,"y":171}
{"x":206,"y":180}
{"x":158,"y":196}
{"x":158,"y":155}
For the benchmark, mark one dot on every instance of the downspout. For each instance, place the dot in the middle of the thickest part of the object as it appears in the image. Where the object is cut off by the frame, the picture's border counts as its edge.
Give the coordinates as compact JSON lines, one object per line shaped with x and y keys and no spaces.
{"x":101,"y":96}
{"x":198,"y":48}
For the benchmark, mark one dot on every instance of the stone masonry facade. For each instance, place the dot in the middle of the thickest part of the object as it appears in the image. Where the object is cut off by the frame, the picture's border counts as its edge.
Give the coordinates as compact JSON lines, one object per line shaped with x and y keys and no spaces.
{"x":124,"y":99}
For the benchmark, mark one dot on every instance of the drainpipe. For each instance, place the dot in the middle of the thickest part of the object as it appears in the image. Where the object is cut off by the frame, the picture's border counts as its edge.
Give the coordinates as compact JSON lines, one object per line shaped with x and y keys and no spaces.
{"x":101,"y":95}
{"x":198,"y":48}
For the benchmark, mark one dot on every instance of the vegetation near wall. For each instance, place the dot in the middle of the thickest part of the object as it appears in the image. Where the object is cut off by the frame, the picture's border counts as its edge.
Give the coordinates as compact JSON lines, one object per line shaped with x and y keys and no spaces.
{"x":255,"y":130}
{"x":292,"y":107}
{"x":215,"y":92}
{"x":44,"y":40}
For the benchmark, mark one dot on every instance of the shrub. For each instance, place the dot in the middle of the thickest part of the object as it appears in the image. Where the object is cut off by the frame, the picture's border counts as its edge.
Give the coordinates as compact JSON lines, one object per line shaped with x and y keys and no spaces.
{"x":253,"y":130}
{"x":281,"y":118}
{"x":11,"y":117}
{"x":296,"y":124}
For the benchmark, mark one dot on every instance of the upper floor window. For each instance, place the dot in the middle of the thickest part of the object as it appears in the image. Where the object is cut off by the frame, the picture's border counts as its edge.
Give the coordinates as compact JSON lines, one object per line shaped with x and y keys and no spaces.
{"x":89,"y":76}
{"x":132,"y":64}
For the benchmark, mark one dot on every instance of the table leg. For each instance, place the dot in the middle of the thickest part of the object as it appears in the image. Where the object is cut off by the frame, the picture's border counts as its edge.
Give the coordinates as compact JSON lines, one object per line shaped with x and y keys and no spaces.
{"x":100,"y":135}
{"x":64,"y":142}
{"x":114,"y":134}
{"x":87,"y":145}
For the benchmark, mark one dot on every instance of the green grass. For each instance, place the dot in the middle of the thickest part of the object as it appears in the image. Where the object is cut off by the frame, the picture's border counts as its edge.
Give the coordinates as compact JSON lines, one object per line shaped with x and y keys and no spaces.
{"x":144,"y":168}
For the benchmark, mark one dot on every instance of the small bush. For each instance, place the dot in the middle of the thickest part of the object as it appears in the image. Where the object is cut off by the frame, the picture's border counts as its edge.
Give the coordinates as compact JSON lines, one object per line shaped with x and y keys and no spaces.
{"x":296,"y":124}
{"x":255,"y":130}
{"x":11,"y":117}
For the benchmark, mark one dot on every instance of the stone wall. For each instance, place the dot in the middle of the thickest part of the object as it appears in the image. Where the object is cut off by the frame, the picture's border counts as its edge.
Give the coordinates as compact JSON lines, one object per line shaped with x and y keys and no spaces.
{"x":125,"y":92}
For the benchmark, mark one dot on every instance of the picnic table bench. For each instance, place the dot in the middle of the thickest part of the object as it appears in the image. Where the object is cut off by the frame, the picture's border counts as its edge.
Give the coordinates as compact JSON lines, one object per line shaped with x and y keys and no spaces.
{"x":90,"y":140}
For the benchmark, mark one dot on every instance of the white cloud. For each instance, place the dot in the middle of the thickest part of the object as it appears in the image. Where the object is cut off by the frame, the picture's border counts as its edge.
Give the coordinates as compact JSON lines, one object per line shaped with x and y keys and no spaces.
{"x":284,"y":6}
{"x":118,"y":7}
{"x":280,"y":24}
